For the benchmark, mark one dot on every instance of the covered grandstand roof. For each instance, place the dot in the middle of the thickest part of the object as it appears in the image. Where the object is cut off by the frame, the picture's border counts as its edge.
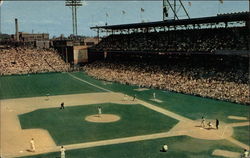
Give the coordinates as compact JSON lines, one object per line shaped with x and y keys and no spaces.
{"x":242,"y":16}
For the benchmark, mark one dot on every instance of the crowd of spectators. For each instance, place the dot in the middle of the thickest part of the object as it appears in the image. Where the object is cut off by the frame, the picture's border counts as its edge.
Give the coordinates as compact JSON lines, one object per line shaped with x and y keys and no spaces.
{"x":199,"y":40}
{"x":201,"y":81}
{"x":26,"y":60}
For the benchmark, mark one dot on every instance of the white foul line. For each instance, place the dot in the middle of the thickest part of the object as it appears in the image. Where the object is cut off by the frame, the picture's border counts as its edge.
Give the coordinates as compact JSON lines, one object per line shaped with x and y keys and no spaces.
{"x":89,"y":83}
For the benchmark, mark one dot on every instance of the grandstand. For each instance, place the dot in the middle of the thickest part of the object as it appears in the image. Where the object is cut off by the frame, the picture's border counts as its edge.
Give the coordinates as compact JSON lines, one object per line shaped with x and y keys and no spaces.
{"x":200,"y":35}
{"x":206,"y":56}
{"x":27,"y":61}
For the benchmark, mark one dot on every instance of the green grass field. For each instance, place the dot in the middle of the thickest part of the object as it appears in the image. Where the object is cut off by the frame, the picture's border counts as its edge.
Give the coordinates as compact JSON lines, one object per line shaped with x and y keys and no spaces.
{"x":192,"y":107}
{"x":179,"y":147}
{"x":242,"y":134}
{"x":41,"y":84}
{"x":135,"y":120}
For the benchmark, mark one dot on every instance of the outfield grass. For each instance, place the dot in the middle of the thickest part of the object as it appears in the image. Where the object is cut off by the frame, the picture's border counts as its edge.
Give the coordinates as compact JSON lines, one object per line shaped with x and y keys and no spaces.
{"x":41,"y":84}
{"x":242,"y":134}
{"x":179,"y":147}
{"x":69,"y":127}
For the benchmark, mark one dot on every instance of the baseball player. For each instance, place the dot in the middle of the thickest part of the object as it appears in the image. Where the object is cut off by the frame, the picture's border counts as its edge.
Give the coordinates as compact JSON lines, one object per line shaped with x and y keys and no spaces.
{"x":32,"y":145}
{"x":62,"y":152}
{"x":62,"y":105}
{"x":164,"y":148}
{"x":217,"y":123}
{"x":99,"y":111}
{"x":202,"y":122}
{"x":134,"y":97}
{"x":210,"y":125}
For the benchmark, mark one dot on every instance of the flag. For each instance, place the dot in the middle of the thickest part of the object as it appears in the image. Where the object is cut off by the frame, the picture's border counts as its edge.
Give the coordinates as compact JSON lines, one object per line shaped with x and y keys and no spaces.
{"x":142,"y":10}
{"x":1,"y":2}
{"x":221,"y":1}
{"x":123,"y":12}
{"x":190,"y":4}
{"x":107,"y":15}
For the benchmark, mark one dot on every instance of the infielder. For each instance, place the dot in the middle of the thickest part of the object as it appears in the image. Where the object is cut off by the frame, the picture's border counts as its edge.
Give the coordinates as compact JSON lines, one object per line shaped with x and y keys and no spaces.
{"x":202,"y":122}
{"x":62,"y":152}
{"x":134,"y":97}
{"x":32,"y":145}
{"x":210,"y":125}
{"x":99,"y":111}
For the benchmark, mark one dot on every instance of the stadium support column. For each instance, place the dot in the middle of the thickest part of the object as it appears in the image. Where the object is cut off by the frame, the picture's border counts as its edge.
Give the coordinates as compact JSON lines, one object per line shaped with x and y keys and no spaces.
{"x":174,"y":6}
{"x":17,"y":32}
{"x":165,"y":10}
{"x":98,"y":36}
{"x":66,"y":52}
{"x":248,"y":30}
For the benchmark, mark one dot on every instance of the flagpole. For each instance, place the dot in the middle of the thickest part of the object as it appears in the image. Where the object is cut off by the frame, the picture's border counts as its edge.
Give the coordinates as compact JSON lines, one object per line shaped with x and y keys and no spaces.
{"x":140,"y":17}
{"x":106,"y":19}
{"x":122,"y":17}
{"x":0,"y":20}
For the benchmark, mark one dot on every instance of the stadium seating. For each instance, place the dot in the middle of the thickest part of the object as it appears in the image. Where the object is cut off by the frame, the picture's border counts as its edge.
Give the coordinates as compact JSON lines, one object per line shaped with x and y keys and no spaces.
{"x":224,"y":84}
{"x":24,"y":60}
{"x":199,"y":40}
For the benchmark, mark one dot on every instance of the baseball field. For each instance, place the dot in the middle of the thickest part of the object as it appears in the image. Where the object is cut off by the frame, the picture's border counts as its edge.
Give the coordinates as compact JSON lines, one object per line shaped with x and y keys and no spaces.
{"x":127,"y":128}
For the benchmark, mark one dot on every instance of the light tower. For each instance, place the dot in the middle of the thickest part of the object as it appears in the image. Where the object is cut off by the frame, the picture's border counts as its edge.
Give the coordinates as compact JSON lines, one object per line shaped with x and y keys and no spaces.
{"x":174,"y":6}
{"x":1,"y":2}
{"x":74,"y":4}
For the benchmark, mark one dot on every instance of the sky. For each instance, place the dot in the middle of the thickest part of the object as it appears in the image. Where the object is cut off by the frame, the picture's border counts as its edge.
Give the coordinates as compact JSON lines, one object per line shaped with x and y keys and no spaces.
{"x":53,"y":17}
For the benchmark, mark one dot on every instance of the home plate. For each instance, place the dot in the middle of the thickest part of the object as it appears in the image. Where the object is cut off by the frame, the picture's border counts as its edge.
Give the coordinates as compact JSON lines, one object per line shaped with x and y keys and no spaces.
{"x":21,"y":151}
{"x":157,"y":100}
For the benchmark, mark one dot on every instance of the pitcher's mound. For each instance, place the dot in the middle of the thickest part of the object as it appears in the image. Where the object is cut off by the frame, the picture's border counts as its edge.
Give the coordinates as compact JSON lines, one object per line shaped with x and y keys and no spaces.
{"x":104,"y":118}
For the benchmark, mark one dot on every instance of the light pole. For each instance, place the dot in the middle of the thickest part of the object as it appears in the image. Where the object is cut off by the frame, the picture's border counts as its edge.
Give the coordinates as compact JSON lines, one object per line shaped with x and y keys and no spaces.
{"x":74,"y":4}
{"x":1,"y":2}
